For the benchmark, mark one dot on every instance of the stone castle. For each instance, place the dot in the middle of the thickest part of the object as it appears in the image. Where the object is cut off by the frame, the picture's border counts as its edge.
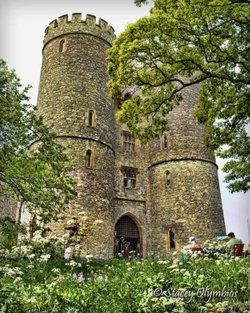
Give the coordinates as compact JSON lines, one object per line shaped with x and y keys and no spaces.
{"x":131,"y":197}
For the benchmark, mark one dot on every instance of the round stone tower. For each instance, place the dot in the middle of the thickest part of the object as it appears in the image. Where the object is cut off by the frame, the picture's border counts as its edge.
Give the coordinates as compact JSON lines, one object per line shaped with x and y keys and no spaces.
{"x":184,"y":190}
{"x":73,"y":98}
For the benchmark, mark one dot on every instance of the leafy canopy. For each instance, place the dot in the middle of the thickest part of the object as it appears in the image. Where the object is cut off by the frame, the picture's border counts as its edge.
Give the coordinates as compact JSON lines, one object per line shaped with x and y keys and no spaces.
{"x":32,"y":165}
{"x":206,"y":41}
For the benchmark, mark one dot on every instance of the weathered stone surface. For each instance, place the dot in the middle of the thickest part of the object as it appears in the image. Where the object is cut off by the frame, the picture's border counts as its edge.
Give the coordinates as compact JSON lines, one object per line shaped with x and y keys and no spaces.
{"x":8,"y":207}
{"x":187,"y":202}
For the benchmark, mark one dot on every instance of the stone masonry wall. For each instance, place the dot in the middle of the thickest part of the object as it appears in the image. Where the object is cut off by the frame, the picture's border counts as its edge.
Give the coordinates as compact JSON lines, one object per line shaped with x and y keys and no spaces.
{"x":73,"y":82}
{"x":190,"y":204}
{"x":8,"y":207}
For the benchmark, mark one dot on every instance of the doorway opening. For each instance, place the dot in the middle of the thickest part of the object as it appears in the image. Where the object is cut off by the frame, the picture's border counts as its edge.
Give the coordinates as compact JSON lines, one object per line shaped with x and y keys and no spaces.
{"x":127,"y":238}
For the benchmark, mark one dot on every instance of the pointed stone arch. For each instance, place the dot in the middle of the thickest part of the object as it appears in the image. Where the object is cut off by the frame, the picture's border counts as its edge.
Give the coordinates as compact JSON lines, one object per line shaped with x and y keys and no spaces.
{"x":128,"y":236}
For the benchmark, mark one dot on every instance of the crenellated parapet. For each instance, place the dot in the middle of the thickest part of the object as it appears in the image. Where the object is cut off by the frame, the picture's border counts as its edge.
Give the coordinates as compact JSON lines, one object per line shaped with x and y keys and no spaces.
{"x":63,"y":25}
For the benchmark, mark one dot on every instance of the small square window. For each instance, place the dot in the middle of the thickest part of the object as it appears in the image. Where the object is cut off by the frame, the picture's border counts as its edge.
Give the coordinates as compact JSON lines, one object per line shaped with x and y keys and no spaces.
{"x":129,"y":178}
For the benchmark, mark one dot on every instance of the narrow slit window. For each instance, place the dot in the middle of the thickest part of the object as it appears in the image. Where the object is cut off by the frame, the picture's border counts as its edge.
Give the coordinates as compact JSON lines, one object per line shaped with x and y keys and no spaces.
{"x":88,"y":159}
{"x":91,"y":118}
{"x":62,"y":46}
{"x":168,"y":179}
{"x":165,"y":141}
{"x":171,"y":240}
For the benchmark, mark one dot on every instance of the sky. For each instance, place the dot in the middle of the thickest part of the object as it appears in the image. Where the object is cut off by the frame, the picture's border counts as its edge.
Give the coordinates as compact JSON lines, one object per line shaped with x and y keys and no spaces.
{"x":22,"y":25}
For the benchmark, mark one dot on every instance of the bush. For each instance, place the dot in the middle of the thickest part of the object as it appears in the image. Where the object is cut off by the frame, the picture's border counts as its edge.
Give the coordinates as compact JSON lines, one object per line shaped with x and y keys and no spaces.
{"x":43,"y":284}
{"x":9,"y":230}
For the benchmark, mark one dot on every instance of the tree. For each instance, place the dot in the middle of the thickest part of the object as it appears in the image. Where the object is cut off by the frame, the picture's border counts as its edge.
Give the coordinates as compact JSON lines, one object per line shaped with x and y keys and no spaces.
{"x":205,"y":41}
{"x":33,"y":166}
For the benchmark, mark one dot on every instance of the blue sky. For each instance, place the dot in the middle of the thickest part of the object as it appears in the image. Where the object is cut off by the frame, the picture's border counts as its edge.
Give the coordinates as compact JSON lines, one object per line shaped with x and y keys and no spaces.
{"x":22,"y":25}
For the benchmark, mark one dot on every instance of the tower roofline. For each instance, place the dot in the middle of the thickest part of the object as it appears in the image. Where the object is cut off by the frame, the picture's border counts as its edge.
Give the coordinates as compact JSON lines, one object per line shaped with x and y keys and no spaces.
{"x":63,"y":25}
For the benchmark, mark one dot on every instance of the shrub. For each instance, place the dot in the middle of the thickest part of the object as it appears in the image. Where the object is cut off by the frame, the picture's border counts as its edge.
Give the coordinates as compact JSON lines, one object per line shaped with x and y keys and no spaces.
{"x":9,"y":230}
{"x":44,"y":284}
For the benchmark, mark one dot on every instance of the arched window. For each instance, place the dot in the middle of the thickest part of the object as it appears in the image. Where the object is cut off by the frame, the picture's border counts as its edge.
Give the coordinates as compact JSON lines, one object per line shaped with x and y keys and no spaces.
{"x":90,"y":118}
{"x":88,"y":159}
{"x":168,"y":179}
{"x":62,"y":46}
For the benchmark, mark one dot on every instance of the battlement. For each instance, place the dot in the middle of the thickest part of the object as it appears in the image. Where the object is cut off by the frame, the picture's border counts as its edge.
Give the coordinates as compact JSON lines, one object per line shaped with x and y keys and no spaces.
{"x":63,"y":25}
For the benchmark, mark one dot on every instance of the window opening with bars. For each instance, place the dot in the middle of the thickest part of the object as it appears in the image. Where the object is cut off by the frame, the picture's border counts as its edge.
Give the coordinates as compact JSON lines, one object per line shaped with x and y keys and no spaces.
{"x":129,"y":178}
{"x":128,"y":142}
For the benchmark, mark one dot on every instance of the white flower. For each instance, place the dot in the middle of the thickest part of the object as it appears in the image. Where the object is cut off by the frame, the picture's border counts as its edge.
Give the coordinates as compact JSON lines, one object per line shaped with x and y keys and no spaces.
{"x":25,"y":250}
{"x":163,"y":262}
{"x":175,"y":270}
{"x":44,"y":257}
{"x":11,"y":272}
{"x":102,"y":278}
{"x":68,"y":253}
{"x":56,"y":270}
{"x":187,"y":273}
{"x":31,"y":300}
{"x":173,"y":266}
{"x":72,"y":264}
{"x":17,"y":280}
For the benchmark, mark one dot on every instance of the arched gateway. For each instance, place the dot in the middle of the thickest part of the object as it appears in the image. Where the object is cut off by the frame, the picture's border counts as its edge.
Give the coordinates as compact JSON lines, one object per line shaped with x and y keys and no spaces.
{"x":127,"y":237}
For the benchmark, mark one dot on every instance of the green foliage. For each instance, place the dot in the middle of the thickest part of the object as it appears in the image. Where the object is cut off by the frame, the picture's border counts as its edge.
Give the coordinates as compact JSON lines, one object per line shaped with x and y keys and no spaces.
{"x":121,"y":286}
{"x":184,"y":43}
{"x":140,"y":2}
{"x":33,"y":166}
{"x":9,"y":230}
